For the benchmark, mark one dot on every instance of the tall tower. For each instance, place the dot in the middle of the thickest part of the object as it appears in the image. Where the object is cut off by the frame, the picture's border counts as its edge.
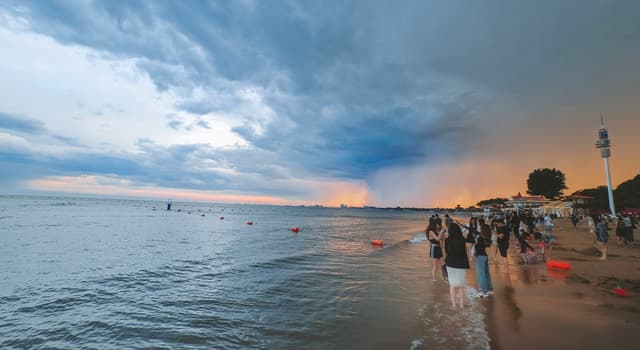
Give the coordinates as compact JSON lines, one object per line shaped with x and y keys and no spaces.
{"x":604,"y":145}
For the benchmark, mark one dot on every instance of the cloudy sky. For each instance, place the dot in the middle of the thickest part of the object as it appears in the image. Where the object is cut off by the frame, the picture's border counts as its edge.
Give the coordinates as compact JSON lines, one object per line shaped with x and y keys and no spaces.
{"x":409,"y":103}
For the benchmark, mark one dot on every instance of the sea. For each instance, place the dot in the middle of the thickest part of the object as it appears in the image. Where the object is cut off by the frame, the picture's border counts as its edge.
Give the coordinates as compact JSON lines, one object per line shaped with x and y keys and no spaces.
{"x":86,"y":273}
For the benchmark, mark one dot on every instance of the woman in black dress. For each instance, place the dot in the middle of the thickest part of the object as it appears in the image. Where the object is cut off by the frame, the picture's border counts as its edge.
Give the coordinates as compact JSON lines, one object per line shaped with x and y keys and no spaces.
{"x":435,"y":236}
{"x":457,"y":264}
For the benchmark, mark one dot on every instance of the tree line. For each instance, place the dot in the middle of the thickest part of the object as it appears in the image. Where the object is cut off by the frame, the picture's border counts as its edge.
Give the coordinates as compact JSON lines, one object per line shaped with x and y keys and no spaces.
{"x":626,"y":195}
{"x":551,"y":184}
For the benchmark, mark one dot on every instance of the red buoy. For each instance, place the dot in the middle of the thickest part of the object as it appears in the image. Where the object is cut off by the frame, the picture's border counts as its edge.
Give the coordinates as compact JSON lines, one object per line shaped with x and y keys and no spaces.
{"x":377,"y":243}
{"x":621,"y":292}
{"x":295,"y":229}
{"x":249,"y":222}
{"x":557,"y":264}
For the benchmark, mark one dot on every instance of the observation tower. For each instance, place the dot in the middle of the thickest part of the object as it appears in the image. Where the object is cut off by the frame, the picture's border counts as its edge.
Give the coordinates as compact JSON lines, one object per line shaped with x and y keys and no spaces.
{"x":604,"y":144}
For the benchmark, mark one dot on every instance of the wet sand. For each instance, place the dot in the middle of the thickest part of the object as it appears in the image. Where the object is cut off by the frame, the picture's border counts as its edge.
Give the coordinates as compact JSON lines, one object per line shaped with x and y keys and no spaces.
{"x":534,"y":307}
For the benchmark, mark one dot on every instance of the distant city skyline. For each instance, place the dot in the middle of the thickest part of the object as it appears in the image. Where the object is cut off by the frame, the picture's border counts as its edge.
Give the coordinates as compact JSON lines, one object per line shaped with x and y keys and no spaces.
{"x":418,"y":104}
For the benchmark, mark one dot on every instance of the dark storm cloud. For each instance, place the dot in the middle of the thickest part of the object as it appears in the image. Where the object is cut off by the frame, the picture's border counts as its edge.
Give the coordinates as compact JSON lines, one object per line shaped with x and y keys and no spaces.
{"x":21,"y":124}
{"x":26,"y":165}
{"x":354,"y":87}
{"x":31,"y":159}
{"x":202,"y":167}
{"x":323,"y":52}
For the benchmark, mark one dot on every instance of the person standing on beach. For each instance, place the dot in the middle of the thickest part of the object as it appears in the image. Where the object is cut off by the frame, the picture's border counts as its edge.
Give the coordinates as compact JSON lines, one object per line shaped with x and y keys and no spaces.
{"x":457,"y":263}
{"x":628,"y":228}
{"x":548,"y":224}
{"x":515,"y":227}
{"x":591,"y":224}
{"x":502,"y":232}
{"x":531,"y":224}
{"x":634,"y":223}
{"x":485,"y":287}
{"x":620,"y":231}
{"x":602,"y":236}
{"x":473,"y":231}
{"x":574,"y":220}
{"x":447,"y":221}
{"x":435,"y":238}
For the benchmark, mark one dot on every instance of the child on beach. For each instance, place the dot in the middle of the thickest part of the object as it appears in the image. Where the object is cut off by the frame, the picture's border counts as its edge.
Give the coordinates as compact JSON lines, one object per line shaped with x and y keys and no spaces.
{"x":527,"y":252}
{"x":435,"y":238}
{"x":457,"y":263}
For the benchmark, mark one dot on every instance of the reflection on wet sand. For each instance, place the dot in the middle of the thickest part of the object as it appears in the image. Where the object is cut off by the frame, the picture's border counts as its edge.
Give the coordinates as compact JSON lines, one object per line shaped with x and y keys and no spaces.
{"x":557,"y":275}
{"x":530,"y":276}
{"x":492,"y":324}
{"x":508,"y":298}
{"x":532,"y":302}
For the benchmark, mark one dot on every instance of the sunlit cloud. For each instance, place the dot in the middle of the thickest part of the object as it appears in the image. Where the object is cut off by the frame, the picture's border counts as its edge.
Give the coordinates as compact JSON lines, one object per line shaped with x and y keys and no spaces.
{"x":103,"y":101}
{"x":113,"y":186}
{"x":327,"y":193}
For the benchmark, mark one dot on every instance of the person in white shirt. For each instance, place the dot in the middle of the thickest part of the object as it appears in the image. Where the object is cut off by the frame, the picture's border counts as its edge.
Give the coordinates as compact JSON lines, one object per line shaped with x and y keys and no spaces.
{"x":548,"y":223}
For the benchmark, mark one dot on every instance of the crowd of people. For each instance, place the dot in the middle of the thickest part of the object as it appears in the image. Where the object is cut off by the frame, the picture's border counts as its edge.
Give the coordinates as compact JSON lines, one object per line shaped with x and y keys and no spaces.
{"x":452,"y":245}
{"x":625,"y":223}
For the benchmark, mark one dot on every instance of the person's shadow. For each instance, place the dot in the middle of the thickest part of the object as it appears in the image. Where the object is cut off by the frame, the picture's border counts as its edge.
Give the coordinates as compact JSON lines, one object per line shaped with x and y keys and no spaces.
{"x":508,"y":296}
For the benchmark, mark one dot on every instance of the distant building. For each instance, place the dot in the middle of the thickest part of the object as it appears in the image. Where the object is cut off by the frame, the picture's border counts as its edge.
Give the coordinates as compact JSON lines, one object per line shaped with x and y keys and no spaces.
{"x":520,"y":202}
{"x":580,"y":200}
{"x":580,"y":204}
{"x":560,"y":209}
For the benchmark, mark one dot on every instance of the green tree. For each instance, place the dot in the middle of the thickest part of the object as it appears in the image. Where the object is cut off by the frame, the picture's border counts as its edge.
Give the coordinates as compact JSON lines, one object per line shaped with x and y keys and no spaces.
{"x":600,"y":198}
{"x":546,"y":182}
{"x":627,"y":194}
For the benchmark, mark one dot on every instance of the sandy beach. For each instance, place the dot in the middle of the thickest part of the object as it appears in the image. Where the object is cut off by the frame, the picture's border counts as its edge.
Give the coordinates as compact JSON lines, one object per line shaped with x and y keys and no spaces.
{"x":534,"y":307}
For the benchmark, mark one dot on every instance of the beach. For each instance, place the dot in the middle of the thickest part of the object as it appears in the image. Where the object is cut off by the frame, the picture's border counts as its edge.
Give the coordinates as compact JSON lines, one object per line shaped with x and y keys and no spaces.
{"x":535,"y":307}
{"x":274,"y":175}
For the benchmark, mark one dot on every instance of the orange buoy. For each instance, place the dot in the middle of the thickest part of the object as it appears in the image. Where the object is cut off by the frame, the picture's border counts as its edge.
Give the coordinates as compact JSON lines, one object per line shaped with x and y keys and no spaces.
{"x":295,"y":229}
{"x":249,"y":222}
{"x":557,"y":264}
{"x":377,"y":242}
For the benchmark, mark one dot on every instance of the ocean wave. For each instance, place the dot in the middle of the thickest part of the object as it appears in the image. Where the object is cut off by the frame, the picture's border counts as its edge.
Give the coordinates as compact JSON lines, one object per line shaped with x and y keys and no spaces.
{"x":418,"y":238}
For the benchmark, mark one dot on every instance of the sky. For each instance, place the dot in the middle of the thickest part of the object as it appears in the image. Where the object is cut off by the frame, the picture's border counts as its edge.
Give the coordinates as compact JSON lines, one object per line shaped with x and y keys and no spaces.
{"x":409,"y":103}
